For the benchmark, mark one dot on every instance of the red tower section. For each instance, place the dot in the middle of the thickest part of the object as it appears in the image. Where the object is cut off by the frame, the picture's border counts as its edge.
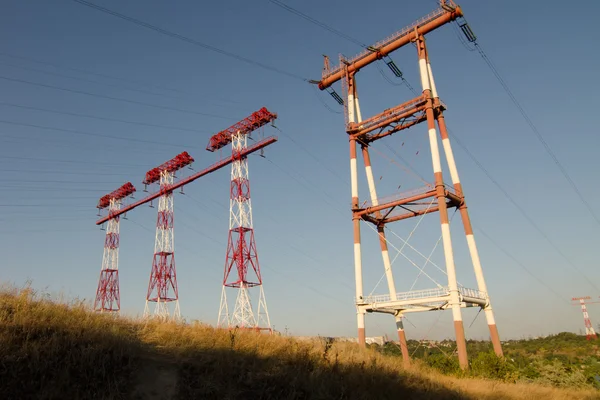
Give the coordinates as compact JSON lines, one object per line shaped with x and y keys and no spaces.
{"x":162,"y":288}
{"x":242,"y":269}
{"x":108,"y":292}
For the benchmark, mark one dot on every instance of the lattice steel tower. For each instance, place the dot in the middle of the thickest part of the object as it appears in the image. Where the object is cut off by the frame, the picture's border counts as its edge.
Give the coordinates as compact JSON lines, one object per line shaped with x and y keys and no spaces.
{"x":436,"y":197}
{"x":162,"y":288}
{"x":242,"y":269}
{"x":108,"y":296}
{"x":590,"y":333}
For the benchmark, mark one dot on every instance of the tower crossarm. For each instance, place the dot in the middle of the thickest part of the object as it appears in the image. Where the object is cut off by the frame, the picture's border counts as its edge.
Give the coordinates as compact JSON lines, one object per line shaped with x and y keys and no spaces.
{"x":447,"y":12}
{"x":176,"y":163}
{"x":245,"y":126}
{"x":389,"y":116}
{"x":126,"y":190}
{"x":214,"y":167}
{"x":405,"y":205}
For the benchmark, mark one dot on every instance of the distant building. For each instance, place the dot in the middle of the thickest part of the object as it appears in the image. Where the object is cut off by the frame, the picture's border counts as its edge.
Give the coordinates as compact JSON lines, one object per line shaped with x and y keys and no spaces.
{"x":380,"y":340}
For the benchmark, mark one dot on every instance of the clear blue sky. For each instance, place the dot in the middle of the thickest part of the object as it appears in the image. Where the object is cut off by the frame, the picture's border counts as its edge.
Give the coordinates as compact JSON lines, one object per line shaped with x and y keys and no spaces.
{"x":546,"y":52}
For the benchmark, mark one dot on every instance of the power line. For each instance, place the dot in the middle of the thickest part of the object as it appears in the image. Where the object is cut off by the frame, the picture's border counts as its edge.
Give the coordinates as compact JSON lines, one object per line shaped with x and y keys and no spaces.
{"x":78,"y":132}
{"x":533,"y":127}
{"x":101,"y":118}
{"x":318,"y":23}
{"x":101,"y":96}
{"x":190,"y":40}
{"x":137,"y":82}
{"x":343,"y":36}
{"x":536,"y":132}
{"x":45,"y":171}
{"x":314,"y":157}
{"x":520,"y":209}
{"x":520,"y":264}
{"x":104,"y":84}
{"x":69,"y":161}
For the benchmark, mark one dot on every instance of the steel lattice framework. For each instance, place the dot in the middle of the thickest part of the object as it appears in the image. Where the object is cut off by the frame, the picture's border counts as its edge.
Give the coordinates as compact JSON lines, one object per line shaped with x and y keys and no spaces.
{"x":162,"y":288}
{"x":245,"y":126}
{"x":426,"y":107}
{"x":590,"y":333}
{"x":242,"y":269}
{"x":108,"y":297}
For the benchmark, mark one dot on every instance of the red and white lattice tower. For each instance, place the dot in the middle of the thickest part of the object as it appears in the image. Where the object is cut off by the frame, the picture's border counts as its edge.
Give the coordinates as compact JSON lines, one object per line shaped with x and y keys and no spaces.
{"x":162,"y":288}
{"x":108,"y":293}
{"x":242,"y":270}
{"x":590,"y":333}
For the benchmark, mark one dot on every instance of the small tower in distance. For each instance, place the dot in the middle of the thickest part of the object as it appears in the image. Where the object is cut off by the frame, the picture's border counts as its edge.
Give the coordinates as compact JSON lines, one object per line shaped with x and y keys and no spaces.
{"x":162,"y":288}
{"x":108,"y":294}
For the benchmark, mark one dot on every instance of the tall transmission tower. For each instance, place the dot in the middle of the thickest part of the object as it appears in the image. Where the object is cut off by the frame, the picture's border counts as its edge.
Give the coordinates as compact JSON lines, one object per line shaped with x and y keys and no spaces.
{"x":108,"y":295}
{"x":242,"y":256}
{"x":162,"y":288}
{"x":436,"y":197}
{"x":590,"y":333}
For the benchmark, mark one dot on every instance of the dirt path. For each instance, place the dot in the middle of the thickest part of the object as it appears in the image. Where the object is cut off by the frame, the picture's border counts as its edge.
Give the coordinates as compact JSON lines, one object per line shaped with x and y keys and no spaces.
{"x":156,"y":379}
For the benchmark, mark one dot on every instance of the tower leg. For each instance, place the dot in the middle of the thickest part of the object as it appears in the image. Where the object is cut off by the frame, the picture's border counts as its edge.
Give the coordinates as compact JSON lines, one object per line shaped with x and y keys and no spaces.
{"x":441,"y":199}
{"x":360,"y":319}
{"x":385,"y":255}
{"x":357,"y":249}
{"x":466,"y":221}
{"x":351,"y":109}
{"x":223,"y":319}
{"x":262,"y":315}
{"x":402,"y":340}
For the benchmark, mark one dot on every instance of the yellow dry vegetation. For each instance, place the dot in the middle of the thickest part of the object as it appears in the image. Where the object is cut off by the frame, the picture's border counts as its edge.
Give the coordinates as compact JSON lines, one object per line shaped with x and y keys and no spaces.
{"x":51,"y":350}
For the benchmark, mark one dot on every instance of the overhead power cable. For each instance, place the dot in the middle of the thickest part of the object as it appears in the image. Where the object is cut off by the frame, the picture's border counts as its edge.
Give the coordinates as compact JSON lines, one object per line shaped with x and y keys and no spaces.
{"x":110,"y":164}
{"x":520,"y":209}
{"x":58,"y":172}
{"x":479,"y":165}
{"x":390,"y":63}
{"x":190,"y":40}
{"x":104,"y":84}
{"x":105,"y":76}
{"x":520,"y":264}
{"x":78,"y":132}
{"x":318,"y":23}
{"x":536,"y":132}
{"x":100,"y":118}
{"x":101,"y":96}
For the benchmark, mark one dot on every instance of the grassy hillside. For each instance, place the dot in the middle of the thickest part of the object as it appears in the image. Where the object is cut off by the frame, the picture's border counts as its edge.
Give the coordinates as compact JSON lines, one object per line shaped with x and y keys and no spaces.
{"x":56,"y":351}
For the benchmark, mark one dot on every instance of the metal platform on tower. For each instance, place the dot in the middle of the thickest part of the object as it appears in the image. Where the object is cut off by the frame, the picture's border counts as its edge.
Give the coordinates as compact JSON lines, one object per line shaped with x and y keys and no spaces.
{"x":421,"y":300}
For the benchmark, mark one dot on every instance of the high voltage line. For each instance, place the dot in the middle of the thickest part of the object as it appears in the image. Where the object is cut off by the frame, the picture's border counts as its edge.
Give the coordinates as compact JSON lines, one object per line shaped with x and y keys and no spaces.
{"x":475,"y":160}
{"x":191,"y":41}
{"x":101,"y":118}
{"x":101,"y":96}
{"x":160,"y":30}
{"x":105,"y":76}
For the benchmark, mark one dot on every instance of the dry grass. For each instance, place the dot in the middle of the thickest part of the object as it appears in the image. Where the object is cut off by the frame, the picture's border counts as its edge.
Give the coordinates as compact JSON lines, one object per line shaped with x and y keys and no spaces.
{"x":54,"y":351}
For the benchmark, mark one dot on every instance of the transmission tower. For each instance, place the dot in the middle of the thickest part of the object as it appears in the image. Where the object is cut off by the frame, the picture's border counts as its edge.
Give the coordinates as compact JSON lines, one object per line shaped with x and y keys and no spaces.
{"x":590,"y":333}
{"x":242,"y":256}
{"x":162,"y":288}
{"x":108,"y":292}
{"x":380,"y":212}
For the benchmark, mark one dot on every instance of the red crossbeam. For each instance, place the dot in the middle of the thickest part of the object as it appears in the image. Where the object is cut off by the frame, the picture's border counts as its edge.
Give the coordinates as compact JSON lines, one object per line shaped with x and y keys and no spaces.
{"x":169,"y":188}
{"x":122,"y":192}
{"x":176,"y":163}
{"x":447,"y":13}
{"x":245,"y":126}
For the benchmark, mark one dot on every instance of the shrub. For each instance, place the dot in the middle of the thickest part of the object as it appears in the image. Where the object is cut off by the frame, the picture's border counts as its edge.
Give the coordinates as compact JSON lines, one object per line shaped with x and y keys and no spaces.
{"x":489,"y":365}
